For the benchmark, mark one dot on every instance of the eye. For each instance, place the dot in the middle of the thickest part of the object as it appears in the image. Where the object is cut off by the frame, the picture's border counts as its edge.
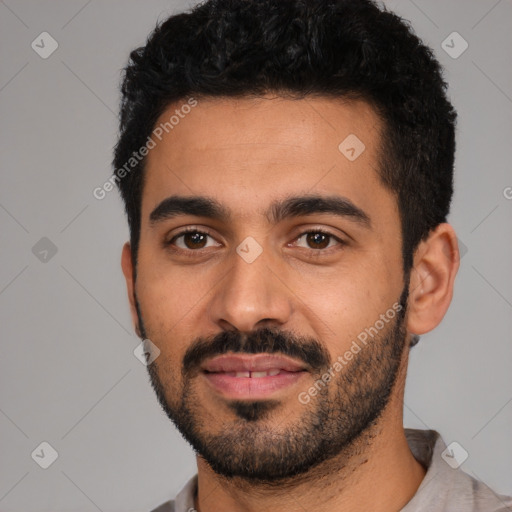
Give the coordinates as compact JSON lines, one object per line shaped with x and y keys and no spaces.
{"x":190,"y":239}
{"x":318,"y":239}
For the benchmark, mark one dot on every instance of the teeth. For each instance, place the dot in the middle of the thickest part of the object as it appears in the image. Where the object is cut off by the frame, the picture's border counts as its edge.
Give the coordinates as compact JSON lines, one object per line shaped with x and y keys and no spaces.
{"x":259,"y":374}
{"x":267,"y":373}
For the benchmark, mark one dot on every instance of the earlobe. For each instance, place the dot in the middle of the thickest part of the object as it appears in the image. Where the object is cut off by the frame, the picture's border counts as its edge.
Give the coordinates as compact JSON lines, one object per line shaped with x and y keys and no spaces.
{"x":127,"y":266}
{"x":436,"y":262}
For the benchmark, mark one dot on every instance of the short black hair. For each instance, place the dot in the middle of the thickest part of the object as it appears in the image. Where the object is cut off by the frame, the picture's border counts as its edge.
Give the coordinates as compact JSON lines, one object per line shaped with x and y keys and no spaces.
{"x":301,"y":48}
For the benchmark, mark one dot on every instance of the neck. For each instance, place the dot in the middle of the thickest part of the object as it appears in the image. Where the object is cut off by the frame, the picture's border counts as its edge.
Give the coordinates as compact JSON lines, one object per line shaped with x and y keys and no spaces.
{"x":377,"y":471}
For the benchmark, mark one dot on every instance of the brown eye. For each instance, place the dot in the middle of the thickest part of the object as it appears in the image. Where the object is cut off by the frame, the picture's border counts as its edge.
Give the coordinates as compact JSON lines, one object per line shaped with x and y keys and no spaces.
{"x":194,"y":240}
{"x":319,"y":240}
{"x":190,"y":240}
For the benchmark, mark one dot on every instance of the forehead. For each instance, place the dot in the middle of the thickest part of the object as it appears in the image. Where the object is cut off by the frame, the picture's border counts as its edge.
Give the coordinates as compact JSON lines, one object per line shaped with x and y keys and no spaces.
{"x":301,"y":126}
{"x":246,"y":150}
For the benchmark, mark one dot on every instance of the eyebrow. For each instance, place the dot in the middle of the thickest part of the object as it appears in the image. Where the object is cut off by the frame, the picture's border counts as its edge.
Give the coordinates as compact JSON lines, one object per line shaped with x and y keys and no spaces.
{"x":279,"y":210}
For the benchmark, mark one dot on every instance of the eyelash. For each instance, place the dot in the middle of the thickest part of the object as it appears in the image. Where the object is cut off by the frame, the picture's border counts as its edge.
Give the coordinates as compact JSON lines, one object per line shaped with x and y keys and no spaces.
{"x":192,"y":252}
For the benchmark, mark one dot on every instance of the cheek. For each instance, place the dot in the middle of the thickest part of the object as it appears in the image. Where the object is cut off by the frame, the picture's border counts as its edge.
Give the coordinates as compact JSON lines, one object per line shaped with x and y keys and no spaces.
{"x":166,"y":303}
{"x":344,"y":303}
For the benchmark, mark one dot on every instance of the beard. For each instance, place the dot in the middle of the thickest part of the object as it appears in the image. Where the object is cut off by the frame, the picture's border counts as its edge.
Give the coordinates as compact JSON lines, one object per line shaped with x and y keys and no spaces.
{"x":252,"y":447}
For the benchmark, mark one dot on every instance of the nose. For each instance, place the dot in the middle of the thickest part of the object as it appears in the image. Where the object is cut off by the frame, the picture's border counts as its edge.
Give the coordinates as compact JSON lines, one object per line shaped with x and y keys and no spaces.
{"x":252,"y":295}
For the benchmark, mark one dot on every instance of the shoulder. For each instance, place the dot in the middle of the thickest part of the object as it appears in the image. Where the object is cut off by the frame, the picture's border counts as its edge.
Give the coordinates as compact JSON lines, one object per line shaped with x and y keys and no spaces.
{"x":446,"y":486}
{"x":168,"y":506}
{"x":471,"y":494}
{"x":184,"y":501}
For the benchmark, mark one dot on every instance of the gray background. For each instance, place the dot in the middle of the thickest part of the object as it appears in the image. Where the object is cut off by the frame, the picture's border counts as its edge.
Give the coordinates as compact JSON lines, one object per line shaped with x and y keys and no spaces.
{"x":68,"y":375}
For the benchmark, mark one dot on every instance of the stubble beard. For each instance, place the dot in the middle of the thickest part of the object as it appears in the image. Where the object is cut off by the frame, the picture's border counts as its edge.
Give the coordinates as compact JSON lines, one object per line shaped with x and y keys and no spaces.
{"x":263,"y":448}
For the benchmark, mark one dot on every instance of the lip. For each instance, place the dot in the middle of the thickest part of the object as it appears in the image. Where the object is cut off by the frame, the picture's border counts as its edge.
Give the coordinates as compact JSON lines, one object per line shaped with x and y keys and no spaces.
{"x":220,"y":373}
{"x":251,"y":363}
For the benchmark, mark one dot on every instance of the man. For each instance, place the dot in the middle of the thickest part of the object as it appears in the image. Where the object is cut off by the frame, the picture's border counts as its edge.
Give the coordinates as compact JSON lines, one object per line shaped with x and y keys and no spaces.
{"x":287,"y":167}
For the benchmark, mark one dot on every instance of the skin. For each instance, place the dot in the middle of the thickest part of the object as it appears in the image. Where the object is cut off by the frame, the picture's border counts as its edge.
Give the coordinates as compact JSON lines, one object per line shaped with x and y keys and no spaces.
{"x":246,"y":153}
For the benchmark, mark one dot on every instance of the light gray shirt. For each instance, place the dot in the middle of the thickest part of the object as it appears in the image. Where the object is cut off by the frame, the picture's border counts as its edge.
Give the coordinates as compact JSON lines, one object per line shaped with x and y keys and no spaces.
{"x":445,"y":487}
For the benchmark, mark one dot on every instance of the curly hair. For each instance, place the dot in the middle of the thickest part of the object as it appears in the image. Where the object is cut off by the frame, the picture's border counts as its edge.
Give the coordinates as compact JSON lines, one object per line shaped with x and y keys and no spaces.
{"x":302,"y":48}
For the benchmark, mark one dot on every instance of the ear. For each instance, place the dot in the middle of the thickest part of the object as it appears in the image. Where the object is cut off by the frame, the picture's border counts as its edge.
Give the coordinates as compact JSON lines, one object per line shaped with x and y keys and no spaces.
{"x":436,"y":262}
{"x":127,"y":266}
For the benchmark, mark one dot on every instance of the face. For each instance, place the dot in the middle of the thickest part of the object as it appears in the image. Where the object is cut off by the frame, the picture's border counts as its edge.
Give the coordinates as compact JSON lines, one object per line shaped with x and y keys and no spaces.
{"x":269,"y":276}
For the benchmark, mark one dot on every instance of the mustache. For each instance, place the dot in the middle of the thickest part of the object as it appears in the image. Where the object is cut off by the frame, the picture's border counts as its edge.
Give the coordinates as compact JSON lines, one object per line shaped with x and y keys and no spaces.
{"x":266,"y":340}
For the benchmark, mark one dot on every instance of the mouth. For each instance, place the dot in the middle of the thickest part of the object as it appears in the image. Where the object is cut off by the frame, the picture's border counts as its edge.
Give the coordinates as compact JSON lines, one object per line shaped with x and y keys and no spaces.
{"x":252,"y":364}
{"x":251,"y":376}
